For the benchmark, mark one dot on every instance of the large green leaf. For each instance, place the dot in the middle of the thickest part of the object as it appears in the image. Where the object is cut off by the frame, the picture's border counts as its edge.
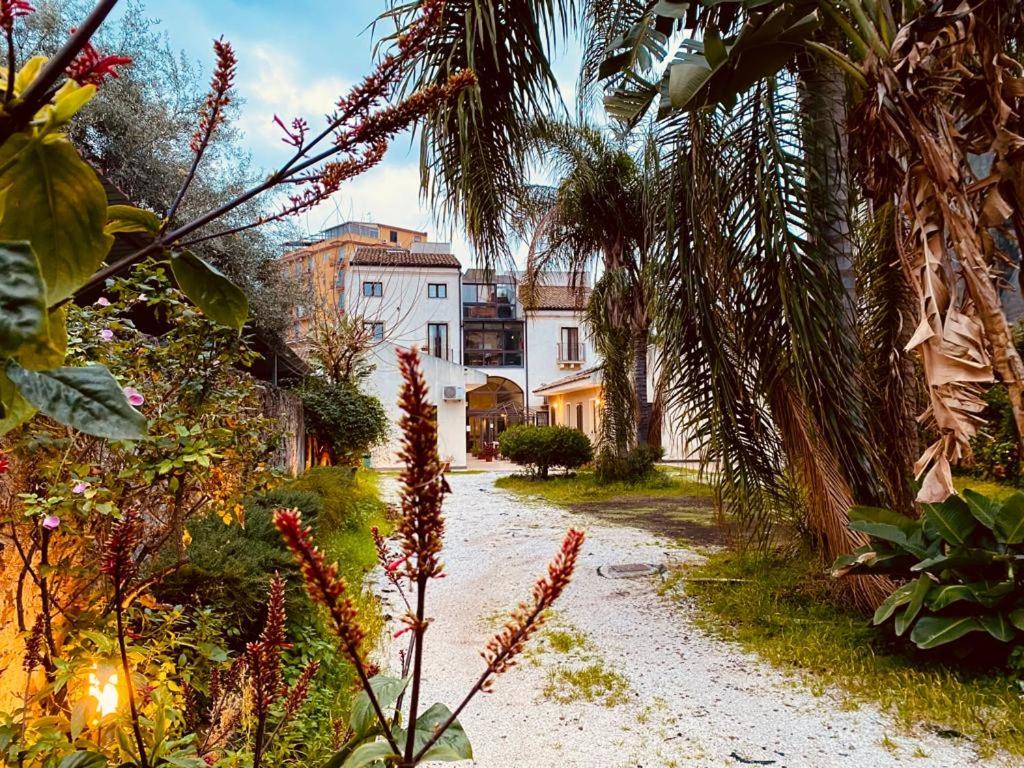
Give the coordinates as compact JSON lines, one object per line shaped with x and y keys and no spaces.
{"x":933,"y":631}
{"x":386,"y":690}
{"x":14,"y":409}
{"x":22,"y":296}
{"x":51,"y":198}
{"x":983,"y":508}
{"x":371,"y":753}
{"x":998,"y":625}
{"x":951,"y":519}
{"x":84,"y":760}
{"x":1009,"y":522}
{"x":920,"y":590}
{"x":889,"y":526}
{"x":128,"y":218}
{"x":453,"y":743}
{"x":86,"y":398}
{"x":899,"y":596}
{"x":1017,"y":618}
{"x":220,"y":299}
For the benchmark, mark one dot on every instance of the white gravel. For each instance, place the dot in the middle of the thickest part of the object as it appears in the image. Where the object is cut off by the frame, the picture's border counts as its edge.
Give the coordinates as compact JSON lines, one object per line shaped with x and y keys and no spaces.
{"x":694,"y":700}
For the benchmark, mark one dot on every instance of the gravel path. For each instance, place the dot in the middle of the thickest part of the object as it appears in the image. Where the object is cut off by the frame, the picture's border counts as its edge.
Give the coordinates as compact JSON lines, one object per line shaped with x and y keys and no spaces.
{"x":683,"y":698}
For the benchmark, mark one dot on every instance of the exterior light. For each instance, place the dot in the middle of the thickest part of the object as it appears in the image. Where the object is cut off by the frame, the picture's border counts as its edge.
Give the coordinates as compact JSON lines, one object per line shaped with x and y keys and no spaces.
{"x":105,"y":693}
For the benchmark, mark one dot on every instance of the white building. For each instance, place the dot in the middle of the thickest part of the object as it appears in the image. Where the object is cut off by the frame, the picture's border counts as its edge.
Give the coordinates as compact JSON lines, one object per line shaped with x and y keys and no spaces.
{"x":490,"y":361}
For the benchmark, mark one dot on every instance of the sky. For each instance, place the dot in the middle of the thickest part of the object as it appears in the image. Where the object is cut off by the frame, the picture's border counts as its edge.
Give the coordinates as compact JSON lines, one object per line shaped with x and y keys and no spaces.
{"x":295,"y":57}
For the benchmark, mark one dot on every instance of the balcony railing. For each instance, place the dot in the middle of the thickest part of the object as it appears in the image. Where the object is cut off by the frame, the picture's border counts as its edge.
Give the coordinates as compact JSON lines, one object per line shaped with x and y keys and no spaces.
{"x":571,"y":352}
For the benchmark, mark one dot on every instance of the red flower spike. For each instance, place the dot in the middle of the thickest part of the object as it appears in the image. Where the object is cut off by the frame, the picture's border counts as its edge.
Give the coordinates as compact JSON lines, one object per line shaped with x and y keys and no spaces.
{"x":212,"y":113}
{"x":118,"y":558}
{"x":13,"y":9}
{"x":91,"y":67}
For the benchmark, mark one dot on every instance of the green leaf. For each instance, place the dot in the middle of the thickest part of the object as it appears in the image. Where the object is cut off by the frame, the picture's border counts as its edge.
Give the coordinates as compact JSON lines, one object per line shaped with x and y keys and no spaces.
{"x":983,"y":508}
{"x":220,"y":299}
{"x":997,"y":625}
{"x":453,"y":743}
{"x":1017,"y":618}
{"x":368,"y":754}
{"x":387,"y":690}
{"x":22,"y":296}
{"x":900,"y":596}
{"x":128,"y":218}
{"x":50,"y":348}
{"x":83,"y":760}
{"x":917,"y":595}
{"x":1009,"y":522}
{"x":50,"y":197}
{"x":952,"y":519}
{"x":933,"y":631}
{"x":86,"y":398}
{"x":940,"y":597}
{"x":14,"y":409}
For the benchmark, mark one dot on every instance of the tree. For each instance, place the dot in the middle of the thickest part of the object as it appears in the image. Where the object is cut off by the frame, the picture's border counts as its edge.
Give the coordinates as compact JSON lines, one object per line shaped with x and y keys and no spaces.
{"x":604,"y":204}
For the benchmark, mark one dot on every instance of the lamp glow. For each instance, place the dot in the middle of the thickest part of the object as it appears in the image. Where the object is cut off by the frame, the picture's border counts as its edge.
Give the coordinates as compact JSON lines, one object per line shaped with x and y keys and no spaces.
{"x":104,"y":693}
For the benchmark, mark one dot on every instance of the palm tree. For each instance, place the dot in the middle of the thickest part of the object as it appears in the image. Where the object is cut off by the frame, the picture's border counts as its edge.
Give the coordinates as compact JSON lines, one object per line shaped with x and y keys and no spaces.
{"x":603,"y":207}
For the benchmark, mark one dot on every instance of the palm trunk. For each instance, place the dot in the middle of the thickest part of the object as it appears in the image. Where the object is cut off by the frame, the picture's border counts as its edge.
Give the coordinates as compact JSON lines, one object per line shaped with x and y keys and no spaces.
{"x":643,"y":407}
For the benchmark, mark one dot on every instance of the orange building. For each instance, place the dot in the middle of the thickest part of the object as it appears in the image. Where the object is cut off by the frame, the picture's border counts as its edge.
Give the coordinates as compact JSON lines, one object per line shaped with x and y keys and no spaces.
{"x":319,"y":263}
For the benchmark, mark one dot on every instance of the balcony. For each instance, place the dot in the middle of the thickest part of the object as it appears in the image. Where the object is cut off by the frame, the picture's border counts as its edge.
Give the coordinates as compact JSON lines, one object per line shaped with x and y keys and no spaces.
{"x":571,"y":354}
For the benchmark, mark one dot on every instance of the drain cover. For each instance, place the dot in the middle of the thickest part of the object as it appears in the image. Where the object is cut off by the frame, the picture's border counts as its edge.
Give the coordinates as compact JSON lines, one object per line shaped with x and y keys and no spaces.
{"x":629,"y":570}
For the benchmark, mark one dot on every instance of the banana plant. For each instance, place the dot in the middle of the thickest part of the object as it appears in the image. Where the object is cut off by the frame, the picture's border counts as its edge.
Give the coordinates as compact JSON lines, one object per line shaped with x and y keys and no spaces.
{"x":961,"y":563}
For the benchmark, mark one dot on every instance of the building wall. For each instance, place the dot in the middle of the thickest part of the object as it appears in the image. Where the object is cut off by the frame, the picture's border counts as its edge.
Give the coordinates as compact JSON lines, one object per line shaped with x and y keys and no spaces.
{"x":562,"y":409}
{"x":543,"y":334}
{"x":405,"y":309}
{"x":386,"y":382}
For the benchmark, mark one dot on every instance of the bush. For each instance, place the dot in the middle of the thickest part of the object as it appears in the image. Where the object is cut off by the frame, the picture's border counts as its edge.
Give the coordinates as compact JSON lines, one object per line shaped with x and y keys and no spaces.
{"x":540,"y":448}
{"x":958,"y":562}
{"x":349,"y":422}
{"x":633,"y":467}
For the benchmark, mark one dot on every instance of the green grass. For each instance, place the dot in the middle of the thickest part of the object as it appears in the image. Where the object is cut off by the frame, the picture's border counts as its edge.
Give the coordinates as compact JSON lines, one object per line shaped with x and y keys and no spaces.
{"x":592,"y":682}
{"x":786,"y":612}
{"x":583,"y":487}
{"x":990,"y":488}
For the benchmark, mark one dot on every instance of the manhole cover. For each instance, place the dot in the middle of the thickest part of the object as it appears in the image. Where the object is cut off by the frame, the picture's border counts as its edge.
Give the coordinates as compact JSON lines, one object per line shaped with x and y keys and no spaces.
{"x":629,"y":570}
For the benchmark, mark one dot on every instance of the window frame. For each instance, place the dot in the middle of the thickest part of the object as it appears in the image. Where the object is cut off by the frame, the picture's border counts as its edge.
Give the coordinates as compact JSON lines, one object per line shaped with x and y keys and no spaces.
{"x":374,"y":325}
{"x":376,"y":289}
{"x":439,"y":289}
{"x":430,"y":340}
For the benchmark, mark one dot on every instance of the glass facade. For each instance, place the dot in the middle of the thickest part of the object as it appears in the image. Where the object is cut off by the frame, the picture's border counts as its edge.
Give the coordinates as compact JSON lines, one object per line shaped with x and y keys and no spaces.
{"x":488,"y":300}
{"x":493,"y":344}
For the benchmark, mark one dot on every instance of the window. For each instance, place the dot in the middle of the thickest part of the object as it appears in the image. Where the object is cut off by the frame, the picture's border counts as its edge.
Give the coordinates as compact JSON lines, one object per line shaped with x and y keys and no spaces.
{"x":377,"y":329}
{"x":579,"y":416}
{"x":493,"y":344}
{"x":486,"y":300}
{"x":437,"y":340}
{"x":568,"y":414}
{"x":393,"y":236}
{"x":373,"y":289}
{"x":437,"y":290}
{"x":595,"y":415}
{"x":541,"y":418}
{"x":569,"y":348}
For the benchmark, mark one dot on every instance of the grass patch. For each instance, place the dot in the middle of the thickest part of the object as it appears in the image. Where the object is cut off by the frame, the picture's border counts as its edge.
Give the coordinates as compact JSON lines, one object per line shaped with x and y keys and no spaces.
{"x":592,"y":682}
{"x":583,"y":487}
{"x":565,"y":640}
{"x":990,"y":488}
{"x":784,"y":611}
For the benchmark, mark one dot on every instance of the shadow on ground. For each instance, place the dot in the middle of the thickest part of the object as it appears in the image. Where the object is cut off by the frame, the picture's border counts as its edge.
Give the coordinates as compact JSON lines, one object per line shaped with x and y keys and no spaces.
{"x":682,"y":518}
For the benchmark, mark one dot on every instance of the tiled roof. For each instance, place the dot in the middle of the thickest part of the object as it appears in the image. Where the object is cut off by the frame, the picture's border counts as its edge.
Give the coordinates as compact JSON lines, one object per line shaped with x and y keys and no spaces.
{"x":487,"y":276}
{"x":559,"y":297}
{"x":385,"y":256}
{"x":583,"y":375}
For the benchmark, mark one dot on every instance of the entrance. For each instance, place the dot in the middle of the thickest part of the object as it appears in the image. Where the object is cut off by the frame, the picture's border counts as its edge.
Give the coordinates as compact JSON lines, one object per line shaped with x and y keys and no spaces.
{"x":491,"y":409}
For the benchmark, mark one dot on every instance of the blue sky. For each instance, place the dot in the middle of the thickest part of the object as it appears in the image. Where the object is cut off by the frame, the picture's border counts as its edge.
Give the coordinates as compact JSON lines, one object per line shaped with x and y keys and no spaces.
{"x":295,"y":58}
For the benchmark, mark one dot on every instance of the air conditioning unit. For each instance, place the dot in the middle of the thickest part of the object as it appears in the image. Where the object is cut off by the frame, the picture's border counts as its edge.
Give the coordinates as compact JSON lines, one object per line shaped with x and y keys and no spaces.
{"x":454,"y":393}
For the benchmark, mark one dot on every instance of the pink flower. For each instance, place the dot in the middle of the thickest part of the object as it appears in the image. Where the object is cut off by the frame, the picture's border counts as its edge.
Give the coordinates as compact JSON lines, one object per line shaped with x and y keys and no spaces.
{"x":80,"y":487}
{"x":134,"y":396}
{"x":107,"y":335}
{"x":50,"y":522}
{"x":103,"y":301}
{"x":91,"y":67}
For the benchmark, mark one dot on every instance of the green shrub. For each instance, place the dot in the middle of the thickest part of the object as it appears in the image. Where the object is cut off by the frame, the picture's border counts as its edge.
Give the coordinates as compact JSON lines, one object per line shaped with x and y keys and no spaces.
{"x":349,"y":422}
{"x":635,"y":466}
{"x":540,"y":448}
{"x":996,"y":455}
{"x":959,"y":563}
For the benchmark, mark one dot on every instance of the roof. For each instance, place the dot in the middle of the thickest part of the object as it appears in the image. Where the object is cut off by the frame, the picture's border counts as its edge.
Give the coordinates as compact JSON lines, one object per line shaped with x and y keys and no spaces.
{"x":389,"y":256}
{"x":487,"y":276}
{"x":588,"y":377}
{"x":559,"y":297}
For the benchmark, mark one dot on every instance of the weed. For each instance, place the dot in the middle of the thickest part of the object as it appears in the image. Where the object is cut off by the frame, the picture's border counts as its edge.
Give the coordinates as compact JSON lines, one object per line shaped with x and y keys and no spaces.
{"x":593,"y":682}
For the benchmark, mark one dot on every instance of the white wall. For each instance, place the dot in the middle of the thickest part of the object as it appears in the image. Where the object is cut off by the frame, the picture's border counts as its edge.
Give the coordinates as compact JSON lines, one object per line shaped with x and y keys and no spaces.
{"x":544,"y":332}
{"x":385,"y":382}
{"x":405,"y":308}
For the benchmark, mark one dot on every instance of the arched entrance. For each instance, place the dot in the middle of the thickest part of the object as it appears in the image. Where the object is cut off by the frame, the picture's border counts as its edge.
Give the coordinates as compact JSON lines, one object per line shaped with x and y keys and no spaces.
{"x":491,"y":409}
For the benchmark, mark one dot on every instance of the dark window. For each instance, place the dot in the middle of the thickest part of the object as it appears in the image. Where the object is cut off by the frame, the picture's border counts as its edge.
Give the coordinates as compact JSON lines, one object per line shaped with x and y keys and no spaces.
{"x":373,"y":289}
{"x":437,"y":290}
{"x":541,"y":418}
{"x":493,"y":344}
{"x":579,"y":416}
{"x":377,"y":329}
{"x":437,"y":340}
{"x":488,"y":300}
{"x":393,"y":236}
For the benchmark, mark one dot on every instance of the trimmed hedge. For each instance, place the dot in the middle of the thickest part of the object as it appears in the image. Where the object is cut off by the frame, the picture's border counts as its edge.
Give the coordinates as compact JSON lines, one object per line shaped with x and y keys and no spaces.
{"x":540,"y":448}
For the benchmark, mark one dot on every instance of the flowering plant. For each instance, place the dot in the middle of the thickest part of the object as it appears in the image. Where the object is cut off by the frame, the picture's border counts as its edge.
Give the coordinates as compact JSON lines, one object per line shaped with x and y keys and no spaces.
{"x":381,"y":729}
